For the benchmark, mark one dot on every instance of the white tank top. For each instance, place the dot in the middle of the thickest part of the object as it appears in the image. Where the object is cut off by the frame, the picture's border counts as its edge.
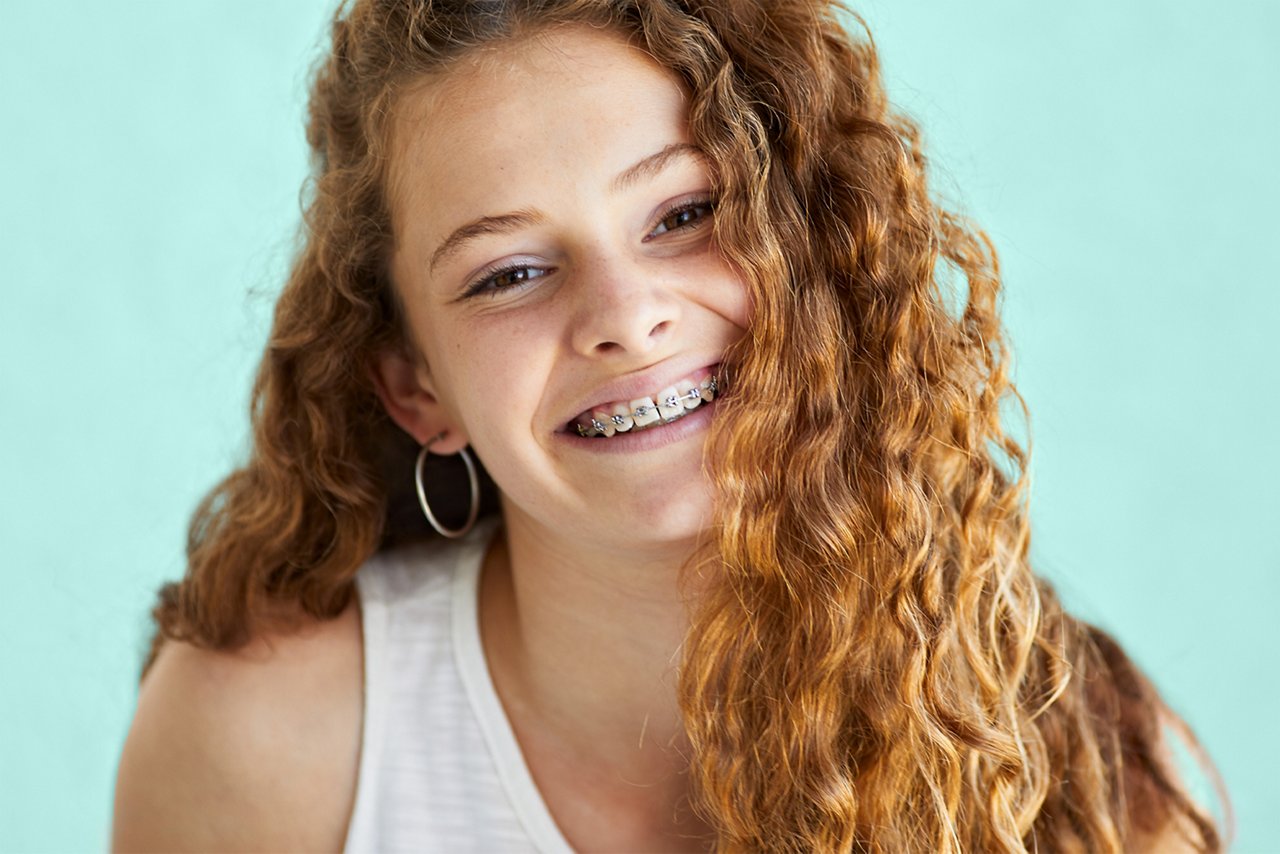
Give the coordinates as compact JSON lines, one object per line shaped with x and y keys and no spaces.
{"x":440,"y":768}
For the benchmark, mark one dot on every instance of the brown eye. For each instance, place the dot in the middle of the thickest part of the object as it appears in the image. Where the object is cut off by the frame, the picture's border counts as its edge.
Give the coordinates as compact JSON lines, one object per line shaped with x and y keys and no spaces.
{"x":507,"y":278}
{"x":684,"y":216}
{"x":514,"y":277}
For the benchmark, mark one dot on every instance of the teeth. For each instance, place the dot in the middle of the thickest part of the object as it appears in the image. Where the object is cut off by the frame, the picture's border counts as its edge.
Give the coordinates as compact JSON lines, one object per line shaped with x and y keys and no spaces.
{"x":623,"y":418}
{"x":639,"y":414}
{"x":644,"y":412}
{"x":603,"y":422}
{"x":689,"y":396}
{"x":669,"y":405}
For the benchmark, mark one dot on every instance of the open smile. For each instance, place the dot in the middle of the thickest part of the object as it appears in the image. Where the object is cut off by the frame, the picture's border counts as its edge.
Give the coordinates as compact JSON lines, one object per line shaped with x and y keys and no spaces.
{"x":657,"y":436}
{"x":643,"y":413}
{"x":676,"y":412}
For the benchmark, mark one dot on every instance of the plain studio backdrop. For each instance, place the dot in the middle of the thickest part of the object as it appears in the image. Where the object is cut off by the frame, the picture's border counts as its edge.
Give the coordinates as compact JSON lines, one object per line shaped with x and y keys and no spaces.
{"x":1122,"y":156}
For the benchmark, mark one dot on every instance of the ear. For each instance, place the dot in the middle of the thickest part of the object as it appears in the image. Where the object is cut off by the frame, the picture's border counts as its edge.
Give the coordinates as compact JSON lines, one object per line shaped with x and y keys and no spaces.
{"x":404,"y":385}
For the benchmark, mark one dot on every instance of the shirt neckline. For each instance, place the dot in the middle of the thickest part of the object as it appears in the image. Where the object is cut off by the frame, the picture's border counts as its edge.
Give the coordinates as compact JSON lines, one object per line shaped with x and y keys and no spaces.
{"x":477,"y":681}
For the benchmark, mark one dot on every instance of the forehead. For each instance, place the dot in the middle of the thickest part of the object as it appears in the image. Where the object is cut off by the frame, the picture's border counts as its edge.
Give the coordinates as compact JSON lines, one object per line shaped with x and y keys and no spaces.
{"x":567,"y":105}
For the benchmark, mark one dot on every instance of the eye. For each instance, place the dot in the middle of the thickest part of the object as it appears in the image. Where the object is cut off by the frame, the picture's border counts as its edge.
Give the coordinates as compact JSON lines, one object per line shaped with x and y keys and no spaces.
{"x":684,"y":216}
{"x":503,"y":279}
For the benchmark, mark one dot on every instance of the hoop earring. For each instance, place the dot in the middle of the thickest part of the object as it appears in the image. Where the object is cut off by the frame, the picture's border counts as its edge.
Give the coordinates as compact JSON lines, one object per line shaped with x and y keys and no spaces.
{"x":422,"y":492}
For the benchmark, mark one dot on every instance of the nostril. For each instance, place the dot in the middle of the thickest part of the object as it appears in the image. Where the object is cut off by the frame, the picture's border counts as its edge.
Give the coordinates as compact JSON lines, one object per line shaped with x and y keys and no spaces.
{"x":622,"y":326}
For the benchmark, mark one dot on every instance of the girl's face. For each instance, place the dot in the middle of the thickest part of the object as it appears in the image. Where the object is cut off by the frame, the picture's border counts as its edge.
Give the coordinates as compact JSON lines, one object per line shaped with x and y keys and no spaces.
{"x":553,"y":253}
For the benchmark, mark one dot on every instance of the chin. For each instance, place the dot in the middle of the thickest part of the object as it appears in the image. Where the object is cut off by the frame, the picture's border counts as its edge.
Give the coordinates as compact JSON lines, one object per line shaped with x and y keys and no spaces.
{"x":663,"y":515}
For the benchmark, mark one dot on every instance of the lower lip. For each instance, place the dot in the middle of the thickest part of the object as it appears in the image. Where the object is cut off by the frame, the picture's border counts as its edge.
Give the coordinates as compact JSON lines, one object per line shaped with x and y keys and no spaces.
{"x":649,"y":438}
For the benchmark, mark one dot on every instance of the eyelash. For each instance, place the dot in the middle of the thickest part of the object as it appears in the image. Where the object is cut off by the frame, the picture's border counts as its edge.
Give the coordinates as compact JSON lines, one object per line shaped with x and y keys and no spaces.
{"x":685,"y":207}
{"x":483,"y":285}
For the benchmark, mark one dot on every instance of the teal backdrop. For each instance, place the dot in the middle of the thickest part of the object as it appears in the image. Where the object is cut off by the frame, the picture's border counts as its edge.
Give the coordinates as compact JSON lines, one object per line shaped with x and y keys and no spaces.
{"x":1123,"y":157}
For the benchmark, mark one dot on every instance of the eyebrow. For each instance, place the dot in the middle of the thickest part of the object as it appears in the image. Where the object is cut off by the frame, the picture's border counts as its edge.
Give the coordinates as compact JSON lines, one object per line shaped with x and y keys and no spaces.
{"x":503,"y":224}
{"x":653,"y":164}
{"x":509,"y":222}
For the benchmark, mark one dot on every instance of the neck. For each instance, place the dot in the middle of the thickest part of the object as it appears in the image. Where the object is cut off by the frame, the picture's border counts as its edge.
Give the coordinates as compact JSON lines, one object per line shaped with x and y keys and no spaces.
{"x":584,"y":644}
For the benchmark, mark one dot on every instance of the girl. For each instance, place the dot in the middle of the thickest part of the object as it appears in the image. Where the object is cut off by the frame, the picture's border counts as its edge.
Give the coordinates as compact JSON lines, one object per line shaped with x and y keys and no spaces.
{"x":654,"y":290}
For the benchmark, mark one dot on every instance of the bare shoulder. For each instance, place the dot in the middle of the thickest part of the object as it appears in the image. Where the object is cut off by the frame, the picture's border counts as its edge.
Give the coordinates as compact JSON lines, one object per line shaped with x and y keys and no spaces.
{"x":256,"y":749}
{"x":1179,"y":834}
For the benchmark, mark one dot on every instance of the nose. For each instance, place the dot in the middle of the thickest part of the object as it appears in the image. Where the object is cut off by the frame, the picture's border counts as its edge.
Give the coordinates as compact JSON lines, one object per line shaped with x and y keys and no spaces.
{"x":622,"y":308}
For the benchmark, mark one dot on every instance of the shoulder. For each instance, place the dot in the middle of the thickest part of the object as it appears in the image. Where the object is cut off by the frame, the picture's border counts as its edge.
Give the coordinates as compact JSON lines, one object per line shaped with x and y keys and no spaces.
{"x":252,"y":749}
{"x":1162,"y":814}
{"x":1179,"y":831}
{"x":1178,"y":835}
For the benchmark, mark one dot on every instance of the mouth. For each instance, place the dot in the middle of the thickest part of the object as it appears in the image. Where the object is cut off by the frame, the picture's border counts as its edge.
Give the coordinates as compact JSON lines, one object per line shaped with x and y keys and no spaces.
{"x":652,"y":411}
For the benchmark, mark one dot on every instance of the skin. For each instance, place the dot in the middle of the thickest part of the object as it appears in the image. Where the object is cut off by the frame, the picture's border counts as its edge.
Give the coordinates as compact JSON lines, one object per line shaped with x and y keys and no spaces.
{"x":580,"y":609}
{"x":580,"y":614}
{"x":223,"y":751}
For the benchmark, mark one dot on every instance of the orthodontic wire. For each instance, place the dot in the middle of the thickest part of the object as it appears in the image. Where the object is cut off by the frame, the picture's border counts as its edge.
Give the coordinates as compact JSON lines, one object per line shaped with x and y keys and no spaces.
{"x":673,"y":400}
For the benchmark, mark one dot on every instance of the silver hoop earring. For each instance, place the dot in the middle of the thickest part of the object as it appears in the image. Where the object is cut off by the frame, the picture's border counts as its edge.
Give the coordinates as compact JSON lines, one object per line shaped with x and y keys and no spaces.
{"x":422,"y":493}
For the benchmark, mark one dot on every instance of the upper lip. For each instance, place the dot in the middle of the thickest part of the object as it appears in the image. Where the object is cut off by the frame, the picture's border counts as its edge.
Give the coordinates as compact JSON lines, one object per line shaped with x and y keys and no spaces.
{"x":637,"y":385}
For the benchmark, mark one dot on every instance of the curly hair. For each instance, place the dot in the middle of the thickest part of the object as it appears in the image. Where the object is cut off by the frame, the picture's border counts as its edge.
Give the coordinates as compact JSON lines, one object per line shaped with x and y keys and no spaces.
{"x":875,"y":666}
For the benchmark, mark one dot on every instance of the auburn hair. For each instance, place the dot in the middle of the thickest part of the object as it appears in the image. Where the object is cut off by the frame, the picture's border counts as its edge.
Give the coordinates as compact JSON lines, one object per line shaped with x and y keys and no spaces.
{"x":875,"y":666}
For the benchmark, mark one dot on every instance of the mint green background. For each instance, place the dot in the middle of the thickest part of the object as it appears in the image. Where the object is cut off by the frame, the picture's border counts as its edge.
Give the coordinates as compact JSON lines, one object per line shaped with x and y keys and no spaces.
{"x":1122,"y":156}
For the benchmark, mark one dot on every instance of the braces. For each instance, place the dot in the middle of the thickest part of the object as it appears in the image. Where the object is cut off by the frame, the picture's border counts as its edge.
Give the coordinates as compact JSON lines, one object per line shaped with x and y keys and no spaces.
{"x":597,"y":426}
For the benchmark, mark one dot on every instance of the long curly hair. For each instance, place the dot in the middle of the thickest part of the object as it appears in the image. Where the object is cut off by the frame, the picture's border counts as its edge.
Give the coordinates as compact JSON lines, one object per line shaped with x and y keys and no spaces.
{"x":876,"y":667}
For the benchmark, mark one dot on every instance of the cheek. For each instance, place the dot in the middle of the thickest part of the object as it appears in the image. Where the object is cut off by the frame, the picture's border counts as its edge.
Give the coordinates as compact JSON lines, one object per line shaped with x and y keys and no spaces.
{"x":733,"y":298}
{"x":503,"y":371}
{"x":725,"y":289}
{"x":744,"y":309}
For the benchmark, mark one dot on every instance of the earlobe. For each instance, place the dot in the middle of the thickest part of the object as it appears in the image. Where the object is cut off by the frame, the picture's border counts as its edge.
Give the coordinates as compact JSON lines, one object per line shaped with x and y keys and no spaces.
{"x":406,"y":392}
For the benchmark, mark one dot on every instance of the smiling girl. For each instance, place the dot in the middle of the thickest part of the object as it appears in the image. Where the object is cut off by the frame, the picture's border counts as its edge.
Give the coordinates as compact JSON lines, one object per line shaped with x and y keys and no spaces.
{"x":645,"y":301}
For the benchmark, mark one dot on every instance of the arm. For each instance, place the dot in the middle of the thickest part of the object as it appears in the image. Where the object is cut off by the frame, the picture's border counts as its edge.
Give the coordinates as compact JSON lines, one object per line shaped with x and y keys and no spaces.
{"x":256,"y":749}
